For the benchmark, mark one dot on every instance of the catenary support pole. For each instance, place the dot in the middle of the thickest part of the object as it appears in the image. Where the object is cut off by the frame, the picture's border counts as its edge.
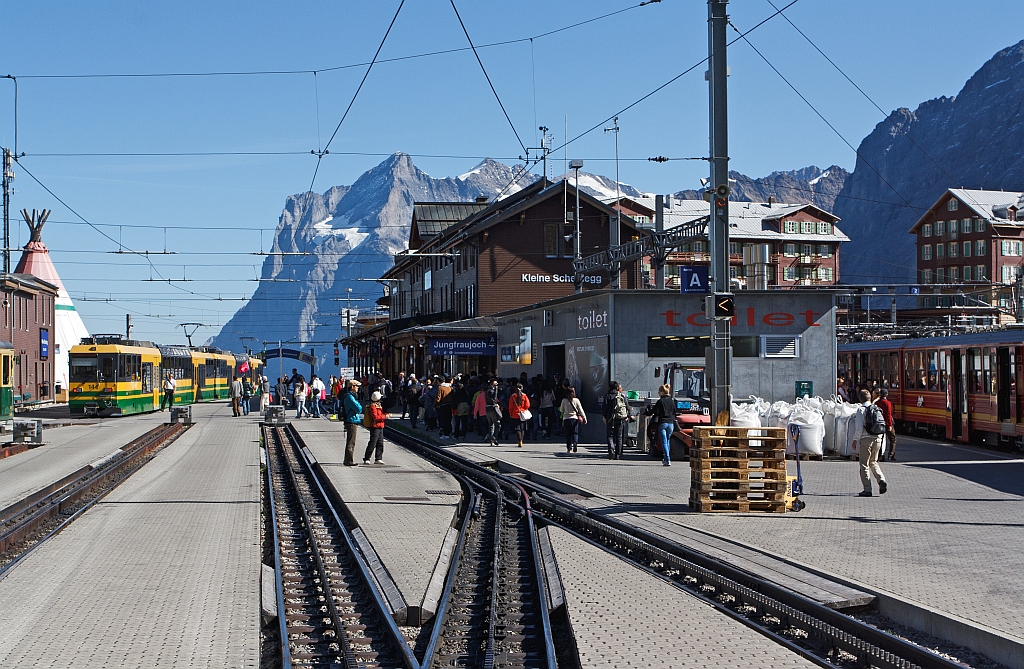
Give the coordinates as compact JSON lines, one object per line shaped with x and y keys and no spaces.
{"x":720,"y":355}
{"x":7,"y":176}
{"x":659,"y":226}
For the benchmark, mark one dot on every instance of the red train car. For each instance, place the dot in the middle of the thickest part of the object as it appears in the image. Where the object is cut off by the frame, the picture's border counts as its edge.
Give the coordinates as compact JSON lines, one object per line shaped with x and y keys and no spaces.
{"x":967,"y":388}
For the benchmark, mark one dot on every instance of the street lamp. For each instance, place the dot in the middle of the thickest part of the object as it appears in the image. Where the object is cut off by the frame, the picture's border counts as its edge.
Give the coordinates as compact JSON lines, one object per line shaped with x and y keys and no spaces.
{"x":577,"y":165}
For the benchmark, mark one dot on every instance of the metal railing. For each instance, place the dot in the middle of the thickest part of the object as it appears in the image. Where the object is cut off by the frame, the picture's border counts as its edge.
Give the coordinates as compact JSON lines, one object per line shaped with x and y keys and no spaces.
{"x":657,"y":245}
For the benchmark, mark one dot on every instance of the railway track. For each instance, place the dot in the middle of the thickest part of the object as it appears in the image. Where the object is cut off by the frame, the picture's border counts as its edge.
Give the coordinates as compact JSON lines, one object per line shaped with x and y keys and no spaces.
{"x":25,"y":525}
{"x":822,"y":635}
{"x":491,"y":613}
{"x":329,"y":612}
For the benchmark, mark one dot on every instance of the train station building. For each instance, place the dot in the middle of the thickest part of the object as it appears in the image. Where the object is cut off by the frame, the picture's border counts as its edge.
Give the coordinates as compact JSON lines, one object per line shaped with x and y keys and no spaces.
{"x":489,"y":288}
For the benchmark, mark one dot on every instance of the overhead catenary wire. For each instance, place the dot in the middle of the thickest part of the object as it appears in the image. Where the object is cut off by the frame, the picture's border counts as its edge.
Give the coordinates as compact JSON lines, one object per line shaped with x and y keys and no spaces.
{"x":742,"y":36}
{"x":488,"y":77}
{"x":247,"y":73}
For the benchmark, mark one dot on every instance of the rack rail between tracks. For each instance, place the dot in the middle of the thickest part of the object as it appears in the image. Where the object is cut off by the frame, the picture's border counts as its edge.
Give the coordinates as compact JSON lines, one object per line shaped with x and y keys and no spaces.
{"x":822,"y":635}
{"x":491,"y":611}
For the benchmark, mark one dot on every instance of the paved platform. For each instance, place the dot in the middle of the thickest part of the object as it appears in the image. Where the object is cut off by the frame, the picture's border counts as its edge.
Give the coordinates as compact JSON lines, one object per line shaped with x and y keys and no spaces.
{"x":663,"y":626}
{"x":946,"y":536}
{"x":66,"y":450}
{"x":405,"y":507}
{"x":164,"y":572}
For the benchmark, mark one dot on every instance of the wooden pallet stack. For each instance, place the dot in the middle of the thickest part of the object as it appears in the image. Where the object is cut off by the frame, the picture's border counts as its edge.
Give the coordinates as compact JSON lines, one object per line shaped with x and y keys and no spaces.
{"x":738,"y":469}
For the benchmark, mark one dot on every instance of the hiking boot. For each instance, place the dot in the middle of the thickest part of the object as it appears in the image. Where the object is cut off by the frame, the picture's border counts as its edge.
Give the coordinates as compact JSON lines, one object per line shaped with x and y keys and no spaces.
{"x":882,"y":487}
{"x":866,"y":493}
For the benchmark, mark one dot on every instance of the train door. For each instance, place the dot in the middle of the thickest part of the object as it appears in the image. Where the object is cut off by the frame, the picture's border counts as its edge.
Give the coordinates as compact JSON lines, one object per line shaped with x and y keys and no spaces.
{"x":200,"y":380}
{"x":957,"y":396}
{"x":1003,"y":371}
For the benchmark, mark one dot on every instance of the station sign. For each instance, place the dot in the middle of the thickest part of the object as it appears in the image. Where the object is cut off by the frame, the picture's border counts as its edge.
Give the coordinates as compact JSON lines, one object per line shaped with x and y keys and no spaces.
{"x":289,"y":353}
{"x":693,"y":279}
{"x":475,"y":346}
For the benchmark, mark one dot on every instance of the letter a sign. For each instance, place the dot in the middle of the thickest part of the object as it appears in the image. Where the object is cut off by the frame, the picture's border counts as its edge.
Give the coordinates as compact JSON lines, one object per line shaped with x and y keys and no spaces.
{"x":693,"y":279}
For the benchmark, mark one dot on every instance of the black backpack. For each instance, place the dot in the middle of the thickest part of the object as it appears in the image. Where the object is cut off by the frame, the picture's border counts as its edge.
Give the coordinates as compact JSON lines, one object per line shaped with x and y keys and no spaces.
{"x":874,"y":421}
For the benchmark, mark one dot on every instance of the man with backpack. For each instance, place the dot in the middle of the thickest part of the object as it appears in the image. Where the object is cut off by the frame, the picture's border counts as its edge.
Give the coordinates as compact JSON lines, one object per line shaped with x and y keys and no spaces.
{"x":871,"y":429}
{"x":616,"y":413}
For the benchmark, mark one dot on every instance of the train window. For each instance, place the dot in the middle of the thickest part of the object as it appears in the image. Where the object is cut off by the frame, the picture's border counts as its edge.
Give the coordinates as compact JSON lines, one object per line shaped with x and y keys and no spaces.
{"x":933,"y":370}
{"x":107,"y":365}
{"x":83,"y":368}
{"x":921,"y":365}
{"x":991,"y":378}
{"x":6,"y":378}
{"x":943,"y":370}
{"x":975,"y":370}
{"x":894,"y":370}
{"x":908,"y":371}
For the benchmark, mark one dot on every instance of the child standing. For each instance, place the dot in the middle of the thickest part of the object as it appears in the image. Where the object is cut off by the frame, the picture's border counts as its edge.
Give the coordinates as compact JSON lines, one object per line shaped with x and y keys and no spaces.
{"x":376,"y":427}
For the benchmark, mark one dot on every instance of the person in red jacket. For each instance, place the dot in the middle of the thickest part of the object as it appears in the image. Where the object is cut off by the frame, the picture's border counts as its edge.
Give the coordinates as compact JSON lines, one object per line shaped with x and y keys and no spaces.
{"x":517,"y":404}
{"x":376,"y":431}
{"x":886,"y":406}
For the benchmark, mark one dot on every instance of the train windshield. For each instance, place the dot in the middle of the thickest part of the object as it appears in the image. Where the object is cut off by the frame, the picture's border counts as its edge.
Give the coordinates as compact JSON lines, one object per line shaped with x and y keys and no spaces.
{"x":83,"y":367}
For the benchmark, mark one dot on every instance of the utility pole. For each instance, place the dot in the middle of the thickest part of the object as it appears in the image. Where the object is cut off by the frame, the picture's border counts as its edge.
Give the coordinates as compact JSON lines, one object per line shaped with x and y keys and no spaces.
{"x":8,"y":177}
{"x":613,"y":227}
{"x":721,"y":306}
{"x":659,"y":227}
{"x":577,"y":165}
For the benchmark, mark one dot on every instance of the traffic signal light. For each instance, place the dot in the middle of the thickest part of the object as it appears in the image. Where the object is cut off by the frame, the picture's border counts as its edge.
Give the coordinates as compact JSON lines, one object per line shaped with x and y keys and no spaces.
{"x":723,"y":306}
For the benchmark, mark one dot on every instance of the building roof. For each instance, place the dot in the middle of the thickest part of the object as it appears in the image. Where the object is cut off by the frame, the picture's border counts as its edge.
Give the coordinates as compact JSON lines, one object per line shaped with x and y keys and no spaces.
{"x":433,"y":218}
{"x":991,"y":205}
{"x":747,"y":220}
{"x":499,"y":210}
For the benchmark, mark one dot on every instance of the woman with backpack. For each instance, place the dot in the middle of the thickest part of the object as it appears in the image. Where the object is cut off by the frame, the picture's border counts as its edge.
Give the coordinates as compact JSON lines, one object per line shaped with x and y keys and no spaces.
{"x":519,"y":412}
{"x":572,"y":417}
{"x":373,"y":419}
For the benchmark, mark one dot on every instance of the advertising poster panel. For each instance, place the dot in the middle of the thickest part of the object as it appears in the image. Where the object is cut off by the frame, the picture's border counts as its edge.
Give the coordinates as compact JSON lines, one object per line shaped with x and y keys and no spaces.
{"x":587,"y":368}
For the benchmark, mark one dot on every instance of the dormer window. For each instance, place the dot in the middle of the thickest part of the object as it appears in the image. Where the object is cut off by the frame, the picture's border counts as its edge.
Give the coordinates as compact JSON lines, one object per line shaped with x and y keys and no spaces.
{"x":953,"y":204}
{"x":824,"y":228}
{"x":807,"y":227}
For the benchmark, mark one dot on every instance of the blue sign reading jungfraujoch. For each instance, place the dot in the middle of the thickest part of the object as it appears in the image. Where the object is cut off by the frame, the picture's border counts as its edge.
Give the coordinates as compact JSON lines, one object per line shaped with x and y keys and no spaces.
{"x":484,"y":346}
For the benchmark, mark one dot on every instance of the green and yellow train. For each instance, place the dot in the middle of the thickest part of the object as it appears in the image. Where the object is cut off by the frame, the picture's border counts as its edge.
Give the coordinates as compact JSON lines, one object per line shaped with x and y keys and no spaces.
{"x":112,"y":376}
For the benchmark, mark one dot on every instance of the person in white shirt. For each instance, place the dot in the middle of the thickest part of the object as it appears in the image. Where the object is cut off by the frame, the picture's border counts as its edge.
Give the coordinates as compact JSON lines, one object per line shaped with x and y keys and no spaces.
{"x":317,"y":386}
{"x":869,"y":445}
{"x":169,"y":385}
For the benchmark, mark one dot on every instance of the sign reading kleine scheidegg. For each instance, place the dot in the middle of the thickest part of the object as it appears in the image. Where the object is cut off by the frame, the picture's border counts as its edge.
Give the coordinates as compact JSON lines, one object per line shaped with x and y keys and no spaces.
{"x":559,"y":278}
{"x":477,"y":346}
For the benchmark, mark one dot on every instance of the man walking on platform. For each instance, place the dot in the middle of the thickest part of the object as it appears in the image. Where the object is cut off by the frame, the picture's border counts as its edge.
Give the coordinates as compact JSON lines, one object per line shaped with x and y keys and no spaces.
{"x":169,"y":385}
{"x":235,"y":393}
{"x":615,"y":412}
{"x":885,"y":405}
{"x":869,"y":432}
{"x":351,"y":409}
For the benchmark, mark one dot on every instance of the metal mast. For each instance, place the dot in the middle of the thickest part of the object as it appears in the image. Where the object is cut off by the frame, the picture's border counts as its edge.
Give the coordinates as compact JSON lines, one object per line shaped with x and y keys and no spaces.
{"x":8,"y":176}
{"x":614,"y":228}
{"x":721,"y":306}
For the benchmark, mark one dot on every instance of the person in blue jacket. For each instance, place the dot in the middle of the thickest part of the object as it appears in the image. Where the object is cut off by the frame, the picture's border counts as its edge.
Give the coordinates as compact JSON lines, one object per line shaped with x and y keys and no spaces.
{"x":353,"y":417}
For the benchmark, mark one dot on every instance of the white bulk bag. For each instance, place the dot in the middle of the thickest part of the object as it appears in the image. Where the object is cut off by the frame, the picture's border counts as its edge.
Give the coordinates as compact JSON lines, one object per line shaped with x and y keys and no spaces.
{"x":812,"y":430}
{"x":745,"y":415}
{"x":778,"y":414}
{"x":846,"y":427}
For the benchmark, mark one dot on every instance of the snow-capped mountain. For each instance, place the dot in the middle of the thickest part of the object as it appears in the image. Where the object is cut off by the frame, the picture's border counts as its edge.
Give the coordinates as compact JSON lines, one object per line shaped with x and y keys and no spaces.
{"x":326,"y":242}
{"x":811,"y":184}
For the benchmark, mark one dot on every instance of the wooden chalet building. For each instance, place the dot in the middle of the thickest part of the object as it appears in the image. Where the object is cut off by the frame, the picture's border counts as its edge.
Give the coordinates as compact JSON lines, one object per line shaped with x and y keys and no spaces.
{"x":503,"y":255}
{"x":791,"y":245}
{"x":469,"y":260}
{"x":970,"y":252}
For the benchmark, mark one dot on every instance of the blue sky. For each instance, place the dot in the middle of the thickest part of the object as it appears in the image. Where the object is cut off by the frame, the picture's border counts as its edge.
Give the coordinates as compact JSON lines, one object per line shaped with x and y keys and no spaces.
{"x":211,"y":209}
